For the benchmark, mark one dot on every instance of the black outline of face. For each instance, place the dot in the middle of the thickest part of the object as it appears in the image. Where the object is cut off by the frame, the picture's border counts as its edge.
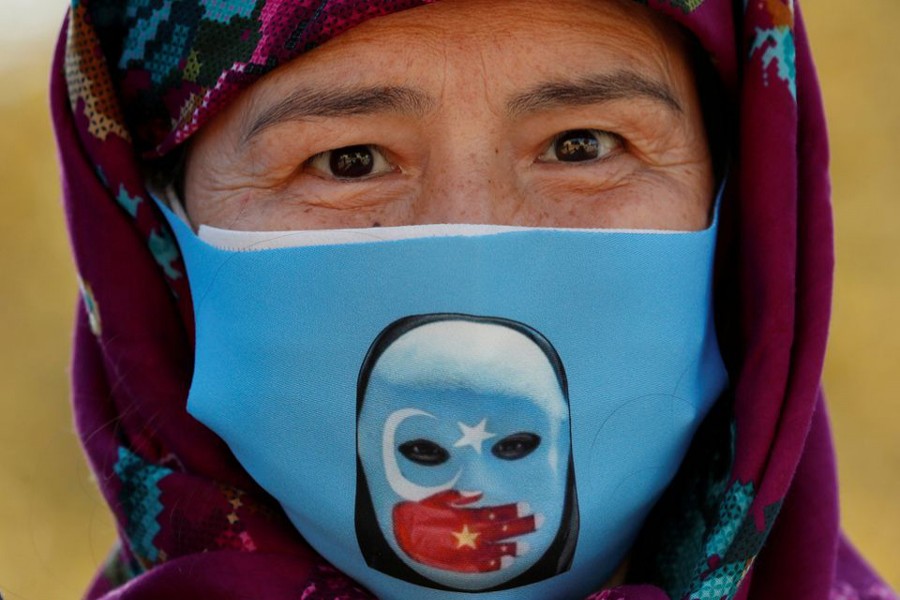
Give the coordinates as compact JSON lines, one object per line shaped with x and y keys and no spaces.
{"x":375,"y":549}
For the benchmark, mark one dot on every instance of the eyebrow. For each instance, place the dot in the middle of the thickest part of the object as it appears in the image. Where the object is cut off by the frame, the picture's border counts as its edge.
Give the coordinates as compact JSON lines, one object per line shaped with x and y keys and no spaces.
{"x":338,"y":102}
{"x":620,"y":85}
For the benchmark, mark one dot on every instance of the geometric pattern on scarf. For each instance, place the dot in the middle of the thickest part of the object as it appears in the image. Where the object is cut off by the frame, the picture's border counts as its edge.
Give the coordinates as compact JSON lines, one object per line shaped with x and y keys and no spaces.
{"x":139,"y":499}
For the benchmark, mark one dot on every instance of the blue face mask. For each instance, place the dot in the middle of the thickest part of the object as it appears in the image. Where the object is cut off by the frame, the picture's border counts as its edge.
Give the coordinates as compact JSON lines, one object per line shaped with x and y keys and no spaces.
{"x":464,"y":409}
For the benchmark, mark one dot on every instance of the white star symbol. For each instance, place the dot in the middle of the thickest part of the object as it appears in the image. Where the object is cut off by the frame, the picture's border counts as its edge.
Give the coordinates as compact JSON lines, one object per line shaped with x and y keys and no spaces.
{"x":473,"y":436}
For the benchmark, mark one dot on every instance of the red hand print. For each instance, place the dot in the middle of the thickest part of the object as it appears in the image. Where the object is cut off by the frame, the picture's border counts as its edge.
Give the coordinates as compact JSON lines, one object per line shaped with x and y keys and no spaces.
{"x":442,"y":532}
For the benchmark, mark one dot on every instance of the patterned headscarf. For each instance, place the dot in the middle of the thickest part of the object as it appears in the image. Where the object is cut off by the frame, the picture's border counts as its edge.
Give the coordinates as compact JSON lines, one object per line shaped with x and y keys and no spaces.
{"x":753,"y":512}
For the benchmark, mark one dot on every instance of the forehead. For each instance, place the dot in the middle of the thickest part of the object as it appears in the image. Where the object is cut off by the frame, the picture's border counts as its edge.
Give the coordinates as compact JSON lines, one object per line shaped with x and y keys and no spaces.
{"x":493,"y":46}
{"x":481,"y":359}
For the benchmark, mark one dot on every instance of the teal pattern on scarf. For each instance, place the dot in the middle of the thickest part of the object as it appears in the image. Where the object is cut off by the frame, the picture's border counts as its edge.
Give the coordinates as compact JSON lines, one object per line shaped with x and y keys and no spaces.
{"x":707,"y":549}
{"x":140,"y":499}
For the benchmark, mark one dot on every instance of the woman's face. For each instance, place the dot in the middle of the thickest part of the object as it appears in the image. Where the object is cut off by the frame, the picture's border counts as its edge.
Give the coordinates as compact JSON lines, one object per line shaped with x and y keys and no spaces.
{"x":572,"y":113}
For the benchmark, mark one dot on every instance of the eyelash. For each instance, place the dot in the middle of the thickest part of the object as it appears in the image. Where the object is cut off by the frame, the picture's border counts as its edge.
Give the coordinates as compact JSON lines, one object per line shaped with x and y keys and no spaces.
{"x":368,"y":158}
{"x":368,"y":161}
{"x":607,"y":143}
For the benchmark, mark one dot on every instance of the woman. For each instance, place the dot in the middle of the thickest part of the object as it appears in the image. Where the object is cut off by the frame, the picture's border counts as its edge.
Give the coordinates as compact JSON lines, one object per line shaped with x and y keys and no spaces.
{"x":752,"y":509}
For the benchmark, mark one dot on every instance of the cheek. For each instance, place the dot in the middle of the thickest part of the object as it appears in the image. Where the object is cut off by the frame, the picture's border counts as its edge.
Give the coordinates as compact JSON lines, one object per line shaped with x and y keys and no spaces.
{"x":213,"y":193}
{"x":676,"y":199}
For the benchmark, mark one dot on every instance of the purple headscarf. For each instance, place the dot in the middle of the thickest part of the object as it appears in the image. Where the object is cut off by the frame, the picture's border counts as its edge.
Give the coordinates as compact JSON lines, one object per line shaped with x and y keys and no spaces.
{"x":753,"y":512}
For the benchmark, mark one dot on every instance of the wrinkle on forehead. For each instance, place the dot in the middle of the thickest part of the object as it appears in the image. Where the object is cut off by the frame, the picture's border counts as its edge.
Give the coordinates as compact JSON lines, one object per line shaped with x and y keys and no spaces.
{"x":625,"y":25}
{"x":468,"y":59}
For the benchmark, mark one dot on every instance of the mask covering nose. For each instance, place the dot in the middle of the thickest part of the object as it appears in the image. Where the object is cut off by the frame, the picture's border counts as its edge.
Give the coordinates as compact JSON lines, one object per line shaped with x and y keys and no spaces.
{"x":448,"y":410}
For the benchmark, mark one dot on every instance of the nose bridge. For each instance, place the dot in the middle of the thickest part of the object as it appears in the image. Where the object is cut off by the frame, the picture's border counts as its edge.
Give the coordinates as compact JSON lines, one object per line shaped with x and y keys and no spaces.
{"x":467,"y":179}
{"x":477,"y":474}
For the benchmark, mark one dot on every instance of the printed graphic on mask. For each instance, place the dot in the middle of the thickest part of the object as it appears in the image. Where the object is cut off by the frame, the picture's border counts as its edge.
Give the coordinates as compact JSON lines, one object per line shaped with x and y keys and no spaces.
{"x":455,"y":471}
{"x":465,"y":477}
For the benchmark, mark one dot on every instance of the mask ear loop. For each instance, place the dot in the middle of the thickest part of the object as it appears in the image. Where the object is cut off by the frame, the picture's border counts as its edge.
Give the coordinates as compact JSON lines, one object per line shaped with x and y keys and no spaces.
{"x":717,"y":202}
{"x":168,"y":197}
{"x":174,"y":212}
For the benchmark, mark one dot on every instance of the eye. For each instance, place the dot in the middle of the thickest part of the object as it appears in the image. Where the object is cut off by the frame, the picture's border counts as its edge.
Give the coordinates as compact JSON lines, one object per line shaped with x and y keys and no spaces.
{"x":581,"y":145}
{"x":516,"y":446}
{"x":424,"y":452}
{"x":350,"y":162}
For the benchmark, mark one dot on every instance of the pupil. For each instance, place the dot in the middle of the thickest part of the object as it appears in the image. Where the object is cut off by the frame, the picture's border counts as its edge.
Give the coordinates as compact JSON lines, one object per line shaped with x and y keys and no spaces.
{"x":577,"y":146}
{"x":516,"y":446}
{"x":351,"y":162}
{"x":424,"y":452}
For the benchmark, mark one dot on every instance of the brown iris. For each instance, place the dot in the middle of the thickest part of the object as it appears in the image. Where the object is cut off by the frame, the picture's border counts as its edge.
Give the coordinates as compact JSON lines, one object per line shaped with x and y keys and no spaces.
{"x":351,"y":162}
{"x":577,"y":145}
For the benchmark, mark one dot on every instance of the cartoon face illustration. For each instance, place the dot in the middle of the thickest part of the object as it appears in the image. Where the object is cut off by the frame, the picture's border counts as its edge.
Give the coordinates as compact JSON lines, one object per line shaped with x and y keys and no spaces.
{"x":464,"y":477}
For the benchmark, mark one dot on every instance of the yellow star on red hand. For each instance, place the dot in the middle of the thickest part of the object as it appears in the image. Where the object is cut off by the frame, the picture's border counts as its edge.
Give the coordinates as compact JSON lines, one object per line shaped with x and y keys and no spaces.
{"x":465,"y":538}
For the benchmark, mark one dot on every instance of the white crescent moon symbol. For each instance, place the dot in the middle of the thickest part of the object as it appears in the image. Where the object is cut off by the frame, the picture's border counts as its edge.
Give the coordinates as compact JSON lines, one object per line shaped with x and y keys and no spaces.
{"x":402,"y":486}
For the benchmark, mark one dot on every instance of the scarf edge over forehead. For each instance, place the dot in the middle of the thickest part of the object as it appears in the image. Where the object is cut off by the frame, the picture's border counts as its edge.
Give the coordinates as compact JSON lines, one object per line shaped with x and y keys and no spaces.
{"x":134,"y":80}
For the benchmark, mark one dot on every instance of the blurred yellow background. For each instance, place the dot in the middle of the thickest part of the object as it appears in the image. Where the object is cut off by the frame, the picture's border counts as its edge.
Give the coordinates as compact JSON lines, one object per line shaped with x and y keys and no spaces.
{"x":54,"y":530}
